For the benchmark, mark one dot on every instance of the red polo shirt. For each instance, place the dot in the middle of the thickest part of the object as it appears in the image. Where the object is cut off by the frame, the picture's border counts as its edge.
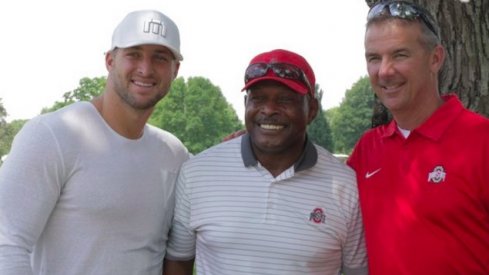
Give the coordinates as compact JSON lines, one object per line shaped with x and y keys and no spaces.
{"x":425,"y":198}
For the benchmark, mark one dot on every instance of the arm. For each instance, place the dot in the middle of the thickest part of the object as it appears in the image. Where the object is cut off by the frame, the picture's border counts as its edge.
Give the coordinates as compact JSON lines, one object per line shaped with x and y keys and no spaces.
{"x":178,"y":267}
{"x":28,"y":193}
{"x":354,"y":251}
{"x":234,"y":135}
{"x":180,"y":252}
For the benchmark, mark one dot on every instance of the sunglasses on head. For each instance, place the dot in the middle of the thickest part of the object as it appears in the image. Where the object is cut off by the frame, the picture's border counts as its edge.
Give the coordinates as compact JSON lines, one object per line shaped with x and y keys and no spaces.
{"x":403,"y":10}
{"x":282,"y":70}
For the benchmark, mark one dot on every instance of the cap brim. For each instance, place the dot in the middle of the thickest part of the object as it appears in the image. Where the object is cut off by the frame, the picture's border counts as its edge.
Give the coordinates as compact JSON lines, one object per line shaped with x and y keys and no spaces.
{"x":129,"y":44}
{"x":294,"y":85}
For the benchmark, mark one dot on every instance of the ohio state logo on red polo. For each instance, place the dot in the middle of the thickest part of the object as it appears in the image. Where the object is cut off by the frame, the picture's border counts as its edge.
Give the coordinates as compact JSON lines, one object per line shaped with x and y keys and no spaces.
{"x":437,"y":175}
{"x":317,"y":215}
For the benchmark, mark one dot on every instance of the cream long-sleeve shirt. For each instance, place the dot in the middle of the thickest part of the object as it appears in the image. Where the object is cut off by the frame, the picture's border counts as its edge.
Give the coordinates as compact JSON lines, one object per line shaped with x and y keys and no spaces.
{"x":77,"y":198}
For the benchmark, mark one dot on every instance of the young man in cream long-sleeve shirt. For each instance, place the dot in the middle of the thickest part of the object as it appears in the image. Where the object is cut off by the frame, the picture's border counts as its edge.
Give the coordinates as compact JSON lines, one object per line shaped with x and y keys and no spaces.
{"x":88,"y":189}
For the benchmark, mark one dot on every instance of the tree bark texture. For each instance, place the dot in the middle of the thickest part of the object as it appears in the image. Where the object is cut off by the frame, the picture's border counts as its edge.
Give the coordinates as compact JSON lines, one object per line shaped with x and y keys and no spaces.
{"x":464,"y":29}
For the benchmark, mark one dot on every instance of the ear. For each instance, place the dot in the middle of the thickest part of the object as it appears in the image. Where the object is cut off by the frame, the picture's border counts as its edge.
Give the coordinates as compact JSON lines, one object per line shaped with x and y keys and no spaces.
{"x":313,"y":109}
{"x":437,"y":58}
{"x":109,"y":60}
{"x":177,"y":68}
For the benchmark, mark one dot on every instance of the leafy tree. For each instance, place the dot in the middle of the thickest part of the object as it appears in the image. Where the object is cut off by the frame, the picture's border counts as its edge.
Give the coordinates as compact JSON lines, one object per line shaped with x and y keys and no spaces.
{"x":353,"y":116}
{"x":330,"y":114}
{"x":197,"y":113}
{"x":16,"y":125}
{"x":88,"y":89}
{"x":3,"y":113}
{"x":7,"y":131}
{"x":319,"y":130}
{"x":4,"y":149}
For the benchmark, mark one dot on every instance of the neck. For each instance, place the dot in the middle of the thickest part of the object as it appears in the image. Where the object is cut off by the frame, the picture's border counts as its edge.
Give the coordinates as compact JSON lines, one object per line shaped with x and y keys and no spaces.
{"x":123,"y":119}
{"x":414,"y":117}
{"x":277,"y":162}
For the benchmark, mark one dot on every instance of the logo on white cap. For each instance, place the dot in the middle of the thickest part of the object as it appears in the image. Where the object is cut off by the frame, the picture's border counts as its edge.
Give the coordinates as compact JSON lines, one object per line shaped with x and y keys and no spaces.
{"x":155,"y":27}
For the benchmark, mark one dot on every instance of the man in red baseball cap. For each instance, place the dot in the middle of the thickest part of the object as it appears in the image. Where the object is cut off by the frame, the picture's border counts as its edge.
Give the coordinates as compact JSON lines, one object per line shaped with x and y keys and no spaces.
{"x":270,"y":201}
{"x":279,"y":105}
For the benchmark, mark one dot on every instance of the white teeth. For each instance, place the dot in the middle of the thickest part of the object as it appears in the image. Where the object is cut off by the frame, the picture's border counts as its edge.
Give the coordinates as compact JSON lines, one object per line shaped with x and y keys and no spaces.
{"x":271,"y":127}
{"x":142,"y":84}
{"x":390,"y":87}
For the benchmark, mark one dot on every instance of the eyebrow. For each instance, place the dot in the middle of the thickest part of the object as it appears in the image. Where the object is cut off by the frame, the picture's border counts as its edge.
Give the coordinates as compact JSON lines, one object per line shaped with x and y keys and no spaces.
{"x":394,"y":51}
{"x":163,"y":50}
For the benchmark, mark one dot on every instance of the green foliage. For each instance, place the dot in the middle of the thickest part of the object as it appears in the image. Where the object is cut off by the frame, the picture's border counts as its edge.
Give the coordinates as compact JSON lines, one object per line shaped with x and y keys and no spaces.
{"x":353,"y":117}
{"x":197,"y":113}
{"x":7,"y":134}
{"x":7,"y":131}
{"x":3,"y":112}
{"x":4,"y":149}
{"x":88,"y":89}
{"x":319,"y":131}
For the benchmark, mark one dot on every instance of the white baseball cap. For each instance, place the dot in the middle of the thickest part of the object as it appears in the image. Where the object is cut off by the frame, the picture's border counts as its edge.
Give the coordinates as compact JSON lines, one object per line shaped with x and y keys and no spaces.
{"x":147,"y":27}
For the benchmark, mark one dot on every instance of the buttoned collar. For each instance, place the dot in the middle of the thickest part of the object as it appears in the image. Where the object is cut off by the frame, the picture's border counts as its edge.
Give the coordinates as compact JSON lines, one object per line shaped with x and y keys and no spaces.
{"x":434,"y":127}
{"x":307,"y":159}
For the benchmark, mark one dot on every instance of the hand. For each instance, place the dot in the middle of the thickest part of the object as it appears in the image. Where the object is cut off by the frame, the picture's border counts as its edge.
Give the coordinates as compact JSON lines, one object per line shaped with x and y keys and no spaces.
{"x":234,"y":135}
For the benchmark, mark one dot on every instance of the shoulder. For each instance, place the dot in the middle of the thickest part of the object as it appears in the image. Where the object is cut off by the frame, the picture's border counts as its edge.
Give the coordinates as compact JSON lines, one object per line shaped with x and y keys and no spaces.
{"x":369,"y":146}
{"x":327,"y":157}
{"x":379,"y":131}
{"x":156,"y":133}
{"x":74,"y":109}
{"x":45,"y":138}
{"x":225,"y":152}
{"x":47,"y":123}
{"x":334,"y":168}
{"x":373,"y":138}
{"x":165,"y":140}
{"x":466,"y":118}
{"x":72,"y":115}
{"x":470,"y":130}
{"x":472,"y":119}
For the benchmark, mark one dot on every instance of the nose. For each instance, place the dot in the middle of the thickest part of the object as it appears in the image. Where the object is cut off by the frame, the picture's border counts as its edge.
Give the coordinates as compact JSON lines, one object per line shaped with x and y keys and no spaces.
{"x":145,"y":66}
{"x":269,"y":107}
{"x":386,"y":68}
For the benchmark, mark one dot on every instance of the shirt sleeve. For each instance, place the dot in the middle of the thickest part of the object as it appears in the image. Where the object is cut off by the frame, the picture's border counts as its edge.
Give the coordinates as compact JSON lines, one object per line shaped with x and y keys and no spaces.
{"x":30,"y":184}
{"x":181,"y":242}
{"x":352,"y":160}
{"x":354,"y":251}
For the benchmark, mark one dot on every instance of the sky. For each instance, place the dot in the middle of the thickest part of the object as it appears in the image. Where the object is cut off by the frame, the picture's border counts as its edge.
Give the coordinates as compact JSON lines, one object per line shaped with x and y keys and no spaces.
{"x":48,"y":46}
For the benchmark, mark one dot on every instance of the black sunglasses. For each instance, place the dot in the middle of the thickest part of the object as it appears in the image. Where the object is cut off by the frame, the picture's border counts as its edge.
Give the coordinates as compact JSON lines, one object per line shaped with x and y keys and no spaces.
{"x":282,"y":70}
{"x":403,"y":10}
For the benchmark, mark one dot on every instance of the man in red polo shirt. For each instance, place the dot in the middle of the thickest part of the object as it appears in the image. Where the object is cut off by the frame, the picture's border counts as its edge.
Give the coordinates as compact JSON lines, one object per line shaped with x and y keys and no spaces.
{"x":423,"y":178}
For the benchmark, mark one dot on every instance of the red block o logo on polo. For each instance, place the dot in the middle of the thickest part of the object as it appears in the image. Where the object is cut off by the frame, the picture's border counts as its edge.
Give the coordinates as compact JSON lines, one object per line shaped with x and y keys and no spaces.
{"x":317,"y":215}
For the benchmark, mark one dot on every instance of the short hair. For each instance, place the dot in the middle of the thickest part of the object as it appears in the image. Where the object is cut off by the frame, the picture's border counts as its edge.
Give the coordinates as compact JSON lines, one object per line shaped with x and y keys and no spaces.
{"x":407,"y":12}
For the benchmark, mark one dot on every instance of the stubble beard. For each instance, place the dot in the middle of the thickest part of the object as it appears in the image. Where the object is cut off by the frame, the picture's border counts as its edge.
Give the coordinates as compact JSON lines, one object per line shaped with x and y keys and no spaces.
{"x":125,"y":95}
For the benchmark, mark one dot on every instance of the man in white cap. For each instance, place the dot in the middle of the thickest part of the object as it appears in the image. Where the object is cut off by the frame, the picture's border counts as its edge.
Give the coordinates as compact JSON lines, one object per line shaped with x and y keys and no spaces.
{"x":88,"y":189}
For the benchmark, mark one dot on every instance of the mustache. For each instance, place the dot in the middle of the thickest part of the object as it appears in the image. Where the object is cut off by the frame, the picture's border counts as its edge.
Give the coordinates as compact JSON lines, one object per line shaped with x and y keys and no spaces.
{"x":269,"y":120}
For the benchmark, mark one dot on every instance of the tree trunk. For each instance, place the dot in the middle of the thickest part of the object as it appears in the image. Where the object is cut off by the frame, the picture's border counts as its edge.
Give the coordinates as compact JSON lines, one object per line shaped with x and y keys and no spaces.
{"x":464,"y":31}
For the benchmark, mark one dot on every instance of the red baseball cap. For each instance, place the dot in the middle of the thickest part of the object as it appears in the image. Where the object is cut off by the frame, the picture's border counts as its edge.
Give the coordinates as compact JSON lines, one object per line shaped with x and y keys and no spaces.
{"x":286,"y":57}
